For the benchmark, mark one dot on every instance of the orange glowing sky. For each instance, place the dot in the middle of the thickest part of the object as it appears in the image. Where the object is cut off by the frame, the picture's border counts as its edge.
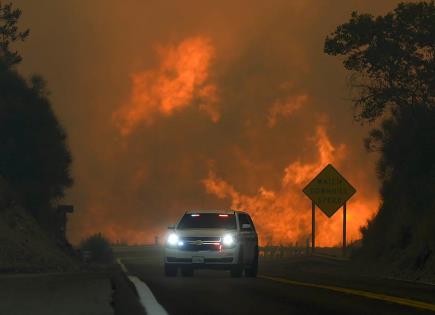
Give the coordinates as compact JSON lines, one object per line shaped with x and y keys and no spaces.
{"x":192,"y":104}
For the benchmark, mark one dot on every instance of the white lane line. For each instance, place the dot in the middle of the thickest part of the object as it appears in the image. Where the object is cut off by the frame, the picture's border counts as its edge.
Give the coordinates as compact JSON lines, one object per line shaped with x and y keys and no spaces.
{"x":124,"y":269}
{"x":146,"y":297}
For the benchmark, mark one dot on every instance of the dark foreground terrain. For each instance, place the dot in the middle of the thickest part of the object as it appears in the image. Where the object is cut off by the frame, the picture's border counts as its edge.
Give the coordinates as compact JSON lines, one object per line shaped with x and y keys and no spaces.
{"x":299,"y":285}
{"x":296,"y":285}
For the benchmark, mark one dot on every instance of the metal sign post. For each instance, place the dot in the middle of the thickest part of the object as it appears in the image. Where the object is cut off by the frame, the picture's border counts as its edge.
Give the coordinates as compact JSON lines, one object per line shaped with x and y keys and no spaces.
{"x":329,"y":190}
{"x":344,"y":229}
{"x":313,"y":227}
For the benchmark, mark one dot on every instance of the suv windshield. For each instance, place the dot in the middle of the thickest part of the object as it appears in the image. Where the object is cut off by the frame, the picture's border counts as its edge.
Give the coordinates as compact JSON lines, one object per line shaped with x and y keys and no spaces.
{"x":207,"y":221}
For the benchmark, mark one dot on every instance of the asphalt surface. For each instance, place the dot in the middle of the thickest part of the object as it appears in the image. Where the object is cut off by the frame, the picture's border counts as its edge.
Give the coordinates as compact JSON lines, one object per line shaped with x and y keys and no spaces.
{"x":215,"y":292}
{"x":85,"y":293}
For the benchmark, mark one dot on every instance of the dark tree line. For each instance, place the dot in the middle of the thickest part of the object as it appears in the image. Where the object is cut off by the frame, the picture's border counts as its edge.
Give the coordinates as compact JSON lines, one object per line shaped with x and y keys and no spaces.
{"x":34,"y":157}
{"x":9,"y":34}
{"x":391,"y":60}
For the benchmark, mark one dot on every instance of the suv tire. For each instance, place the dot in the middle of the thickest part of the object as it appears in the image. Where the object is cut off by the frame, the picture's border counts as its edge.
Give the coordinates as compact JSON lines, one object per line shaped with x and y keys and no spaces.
{"x":252,"y":270}
{"x":170,"y":271}
{"x":237,"y":270}
{"x":187,"y":271}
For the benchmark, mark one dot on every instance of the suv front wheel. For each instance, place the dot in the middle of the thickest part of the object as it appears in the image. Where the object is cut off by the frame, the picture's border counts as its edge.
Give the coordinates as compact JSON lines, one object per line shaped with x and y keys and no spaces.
{"x":170,"y":271}
{"x":187,"y":271}
{"x":252,"y":270}
{"x":237,"y":270}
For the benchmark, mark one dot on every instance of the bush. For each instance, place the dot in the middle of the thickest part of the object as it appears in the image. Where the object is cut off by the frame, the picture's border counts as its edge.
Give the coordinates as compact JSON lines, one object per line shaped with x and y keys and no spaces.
{"x":99,"y":249}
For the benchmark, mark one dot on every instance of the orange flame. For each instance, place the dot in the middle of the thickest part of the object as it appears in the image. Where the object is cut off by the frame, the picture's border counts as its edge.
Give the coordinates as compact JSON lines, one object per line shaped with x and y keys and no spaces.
{"x":181,"y":78}
{"x":285,"y":108}
{"x":284,"y":216}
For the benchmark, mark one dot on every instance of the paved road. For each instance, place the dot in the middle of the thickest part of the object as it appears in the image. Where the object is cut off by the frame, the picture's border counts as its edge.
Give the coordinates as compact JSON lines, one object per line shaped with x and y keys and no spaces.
{"x":85,"y":293}
{"x":301,"y":286}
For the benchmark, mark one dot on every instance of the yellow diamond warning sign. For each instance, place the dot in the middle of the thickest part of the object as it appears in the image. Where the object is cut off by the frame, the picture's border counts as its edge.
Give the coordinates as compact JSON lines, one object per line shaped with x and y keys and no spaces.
{"x":329,"y":190}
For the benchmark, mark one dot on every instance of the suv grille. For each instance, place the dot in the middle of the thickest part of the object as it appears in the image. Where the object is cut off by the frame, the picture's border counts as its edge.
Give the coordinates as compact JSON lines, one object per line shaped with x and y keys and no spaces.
{"x":201,"y":238}
{"x":195,"y":244}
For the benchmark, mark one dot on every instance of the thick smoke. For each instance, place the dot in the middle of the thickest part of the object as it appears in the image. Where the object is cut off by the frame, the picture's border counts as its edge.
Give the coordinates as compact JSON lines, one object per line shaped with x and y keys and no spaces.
{"x":187,"y":104}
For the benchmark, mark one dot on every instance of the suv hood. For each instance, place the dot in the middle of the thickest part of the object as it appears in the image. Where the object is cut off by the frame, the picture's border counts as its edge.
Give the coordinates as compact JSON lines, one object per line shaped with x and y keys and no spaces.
{"x":204,"y":232}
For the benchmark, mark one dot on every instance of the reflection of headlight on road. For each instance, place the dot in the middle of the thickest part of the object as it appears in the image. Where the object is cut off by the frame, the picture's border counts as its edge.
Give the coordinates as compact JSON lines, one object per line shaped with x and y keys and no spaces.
{"x":228,"y":240}
{"x":172,"y":239}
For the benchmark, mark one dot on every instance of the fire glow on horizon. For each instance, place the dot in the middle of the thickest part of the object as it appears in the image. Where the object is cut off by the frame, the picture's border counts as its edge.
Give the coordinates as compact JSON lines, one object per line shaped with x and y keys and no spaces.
{"x":282,"y":216}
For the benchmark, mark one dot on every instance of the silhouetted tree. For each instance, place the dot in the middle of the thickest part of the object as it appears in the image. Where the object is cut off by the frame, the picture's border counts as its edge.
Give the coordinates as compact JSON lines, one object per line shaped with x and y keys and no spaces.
{"x":393,"y":78}
{"x":34,"y":158}
{"x":391,"y":58}
{"x":9,"y":33}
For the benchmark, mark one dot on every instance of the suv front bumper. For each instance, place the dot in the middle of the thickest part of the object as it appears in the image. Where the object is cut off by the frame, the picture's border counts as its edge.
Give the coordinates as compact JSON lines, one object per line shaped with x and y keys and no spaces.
{"x":202,"y":259}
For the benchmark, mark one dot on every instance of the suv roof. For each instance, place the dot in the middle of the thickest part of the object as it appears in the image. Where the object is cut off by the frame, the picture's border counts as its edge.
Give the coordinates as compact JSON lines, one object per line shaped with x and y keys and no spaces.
{"x":215,"y":211}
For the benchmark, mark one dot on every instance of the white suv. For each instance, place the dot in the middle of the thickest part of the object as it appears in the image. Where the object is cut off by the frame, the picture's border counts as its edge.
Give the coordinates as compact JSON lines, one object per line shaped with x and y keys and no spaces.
{"x":212,"y":240}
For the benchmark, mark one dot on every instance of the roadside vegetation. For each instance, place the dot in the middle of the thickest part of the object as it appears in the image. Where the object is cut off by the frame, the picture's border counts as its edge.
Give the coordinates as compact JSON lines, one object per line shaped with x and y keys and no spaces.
{"x":97,"y":249}
{"x":26,"y":247}
{"x":34,"y":159}
{"x":392,"y":80}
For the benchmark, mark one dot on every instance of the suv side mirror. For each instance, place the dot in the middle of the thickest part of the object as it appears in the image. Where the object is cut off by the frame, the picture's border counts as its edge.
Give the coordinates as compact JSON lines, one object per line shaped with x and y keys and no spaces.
{"x":171,"y":227}
{"x":246,"y":226}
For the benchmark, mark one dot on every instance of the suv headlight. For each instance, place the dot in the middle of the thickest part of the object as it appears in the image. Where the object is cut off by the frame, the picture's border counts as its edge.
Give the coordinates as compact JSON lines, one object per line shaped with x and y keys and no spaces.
{"x":228,"y":240}
{"x":173,"y":239}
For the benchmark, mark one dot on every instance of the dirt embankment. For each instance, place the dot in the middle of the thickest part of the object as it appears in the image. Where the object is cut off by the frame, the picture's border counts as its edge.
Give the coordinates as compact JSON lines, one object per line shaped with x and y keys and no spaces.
{"x":25,"y":247}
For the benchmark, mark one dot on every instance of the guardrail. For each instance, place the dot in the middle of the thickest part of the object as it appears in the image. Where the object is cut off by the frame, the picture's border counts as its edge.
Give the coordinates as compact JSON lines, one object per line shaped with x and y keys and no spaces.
{"x":281,"y":251}
{"x":268,"y":251}
{"x":273,"y":251}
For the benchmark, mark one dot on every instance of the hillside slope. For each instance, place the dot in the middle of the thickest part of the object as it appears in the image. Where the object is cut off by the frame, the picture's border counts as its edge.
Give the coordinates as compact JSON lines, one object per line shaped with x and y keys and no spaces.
{"x":25,"y":247}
